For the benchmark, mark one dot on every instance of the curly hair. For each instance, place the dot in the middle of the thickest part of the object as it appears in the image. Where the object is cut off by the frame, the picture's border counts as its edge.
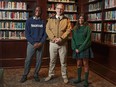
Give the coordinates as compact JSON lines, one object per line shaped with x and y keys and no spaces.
{"x":37,"y":6}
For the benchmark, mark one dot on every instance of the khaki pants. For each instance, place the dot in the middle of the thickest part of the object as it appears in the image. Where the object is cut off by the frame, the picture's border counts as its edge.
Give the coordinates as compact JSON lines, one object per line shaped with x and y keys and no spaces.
{"x":54,"y":50}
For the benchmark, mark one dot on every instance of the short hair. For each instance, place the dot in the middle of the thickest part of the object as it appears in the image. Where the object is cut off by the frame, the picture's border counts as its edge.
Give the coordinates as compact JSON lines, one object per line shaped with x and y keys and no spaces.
{"x":60,"y":4}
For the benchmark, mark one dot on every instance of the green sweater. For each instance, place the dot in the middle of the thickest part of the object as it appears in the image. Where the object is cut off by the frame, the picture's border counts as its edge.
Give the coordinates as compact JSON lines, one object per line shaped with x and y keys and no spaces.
{"x":81,"y":38}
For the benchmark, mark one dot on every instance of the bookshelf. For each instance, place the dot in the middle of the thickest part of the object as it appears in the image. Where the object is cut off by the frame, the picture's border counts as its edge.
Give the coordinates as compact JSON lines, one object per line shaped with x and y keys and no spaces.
{"x":13,"y":15}
{"x":102,"y":19}
{"x":94,"y":15}
{"x":71,"y":9}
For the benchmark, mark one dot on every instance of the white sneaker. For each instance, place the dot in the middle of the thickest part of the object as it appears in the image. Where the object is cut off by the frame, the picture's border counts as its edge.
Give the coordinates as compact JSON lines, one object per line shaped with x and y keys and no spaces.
{"x":48,"y":78}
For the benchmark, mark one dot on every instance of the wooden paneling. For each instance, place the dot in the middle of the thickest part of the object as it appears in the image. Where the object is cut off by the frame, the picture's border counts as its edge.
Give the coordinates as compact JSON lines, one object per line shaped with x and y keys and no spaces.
{"x":104,"y":62}
{"x":13,"y":53}
{"x":13,"y":48}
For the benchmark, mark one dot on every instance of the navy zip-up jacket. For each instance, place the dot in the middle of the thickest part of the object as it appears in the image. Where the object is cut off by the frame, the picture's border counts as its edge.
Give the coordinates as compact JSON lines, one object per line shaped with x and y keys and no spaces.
{"x":35,"y":31}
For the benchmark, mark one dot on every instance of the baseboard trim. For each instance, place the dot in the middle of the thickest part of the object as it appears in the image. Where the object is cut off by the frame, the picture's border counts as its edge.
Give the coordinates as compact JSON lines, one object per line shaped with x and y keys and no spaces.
{"x":103,"y":71}
{"x":19,"y":62}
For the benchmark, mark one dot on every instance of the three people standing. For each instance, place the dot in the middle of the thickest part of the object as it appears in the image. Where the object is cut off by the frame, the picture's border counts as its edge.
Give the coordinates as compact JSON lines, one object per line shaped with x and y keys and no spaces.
{"x":58,"y":29}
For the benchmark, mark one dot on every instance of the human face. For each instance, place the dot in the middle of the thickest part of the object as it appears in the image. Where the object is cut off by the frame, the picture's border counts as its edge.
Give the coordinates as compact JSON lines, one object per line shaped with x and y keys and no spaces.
{"x":59,"y":9}
{"x":81,"y":20}
{"x":37,"y":12}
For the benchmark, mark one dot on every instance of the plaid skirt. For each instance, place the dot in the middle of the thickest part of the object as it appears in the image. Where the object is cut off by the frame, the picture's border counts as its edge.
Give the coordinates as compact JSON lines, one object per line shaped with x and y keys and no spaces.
{"x":83,"y":54}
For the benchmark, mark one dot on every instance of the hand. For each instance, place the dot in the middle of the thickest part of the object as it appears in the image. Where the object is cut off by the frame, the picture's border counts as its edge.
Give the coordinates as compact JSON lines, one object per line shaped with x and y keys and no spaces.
{"x":54,"y":40}
{"x":39,"y":45}
{"x":58,"y":40}
{"x":36,"y":45}
{"x":77,"y":51}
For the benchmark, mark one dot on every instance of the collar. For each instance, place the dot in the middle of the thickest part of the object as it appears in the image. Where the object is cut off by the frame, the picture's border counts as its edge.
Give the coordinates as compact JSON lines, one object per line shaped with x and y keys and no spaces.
{"x":36,"y":18}
{"x":59,"y":17}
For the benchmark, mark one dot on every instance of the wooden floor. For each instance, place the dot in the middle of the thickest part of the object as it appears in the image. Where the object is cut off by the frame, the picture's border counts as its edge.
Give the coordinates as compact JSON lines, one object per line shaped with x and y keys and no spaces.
{"x":12,"y":77}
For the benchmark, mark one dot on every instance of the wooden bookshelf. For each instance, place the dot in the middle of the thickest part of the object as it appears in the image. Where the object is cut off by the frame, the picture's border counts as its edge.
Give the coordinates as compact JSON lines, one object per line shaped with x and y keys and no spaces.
{"x":103,"y":37}
{"x":13,"y":15}
{"x":103,"y":11}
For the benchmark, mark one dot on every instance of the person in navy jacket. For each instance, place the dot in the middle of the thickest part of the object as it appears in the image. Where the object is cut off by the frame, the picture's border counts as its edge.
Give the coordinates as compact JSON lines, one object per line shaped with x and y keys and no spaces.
{"x":36,"y":36}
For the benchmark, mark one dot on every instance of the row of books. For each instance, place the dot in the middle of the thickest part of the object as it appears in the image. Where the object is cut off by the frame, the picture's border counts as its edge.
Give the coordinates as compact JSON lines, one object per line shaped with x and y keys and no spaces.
{"x":110,"y":15}
{"x":13,"y":5}
{"x":62,"y":0}
{"x":91,"y":0}
{"x":110,"y":27}
{"x":71,"y":16}
{"x":68,"y":7}
{"x":95,"y":7}
{"x":96,"y":36}
{"x":14,"y":15}
{"x":12,"y":25}
{"x":96,"y":26}
{"x":110,"y":38}
{"x":110,"y":3}
{"x":94,"y":17}
{"x":12,"y":34}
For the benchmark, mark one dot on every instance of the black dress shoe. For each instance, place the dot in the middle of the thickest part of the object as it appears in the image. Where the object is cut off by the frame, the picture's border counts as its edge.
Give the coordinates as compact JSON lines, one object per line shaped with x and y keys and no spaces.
{"x":23,"y":79}
{"x":76,"y":81}
{"x":36,"y":78}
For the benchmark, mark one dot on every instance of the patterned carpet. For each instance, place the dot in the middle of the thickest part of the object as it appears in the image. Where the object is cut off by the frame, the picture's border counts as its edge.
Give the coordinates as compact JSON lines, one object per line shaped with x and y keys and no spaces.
{"x":12,"y":77}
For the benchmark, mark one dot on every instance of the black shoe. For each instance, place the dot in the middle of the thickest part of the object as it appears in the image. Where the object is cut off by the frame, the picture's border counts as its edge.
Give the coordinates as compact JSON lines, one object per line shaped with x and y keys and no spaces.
{"x":36,"y":78}
{"x":23,"y":79}
{"x":76,"y":81}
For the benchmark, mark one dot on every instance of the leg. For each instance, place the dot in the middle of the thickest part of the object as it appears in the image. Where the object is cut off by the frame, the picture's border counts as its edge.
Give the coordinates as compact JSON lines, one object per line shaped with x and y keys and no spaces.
{"x":38,"y":63}
{"x":62,"y":53}
{"x":86,"y":68}
{"x":30,"y":52}
{"x":79,"y":70}
{"x":86,"y":65}
{"x":53,"y":56}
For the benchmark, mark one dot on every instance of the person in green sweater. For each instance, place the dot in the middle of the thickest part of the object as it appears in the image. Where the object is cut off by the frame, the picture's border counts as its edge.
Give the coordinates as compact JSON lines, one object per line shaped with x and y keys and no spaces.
{"x":81,"y":46}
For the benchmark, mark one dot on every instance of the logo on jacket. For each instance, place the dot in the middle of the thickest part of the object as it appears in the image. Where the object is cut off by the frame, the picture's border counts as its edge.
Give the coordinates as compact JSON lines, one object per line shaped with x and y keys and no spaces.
{"x":37,"y":25}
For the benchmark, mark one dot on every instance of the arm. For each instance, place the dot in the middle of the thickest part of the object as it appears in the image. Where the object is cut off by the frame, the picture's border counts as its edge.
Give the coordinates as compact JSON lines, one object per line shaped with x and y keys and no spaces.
{"x":39,"y":44}
{"x":44,"y":34}
{"x":49,"y":31}
{"x":68,"y":30}
{"x":27,"y":33}
{"x":73,"y":44}
{"x":87,"y":42}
